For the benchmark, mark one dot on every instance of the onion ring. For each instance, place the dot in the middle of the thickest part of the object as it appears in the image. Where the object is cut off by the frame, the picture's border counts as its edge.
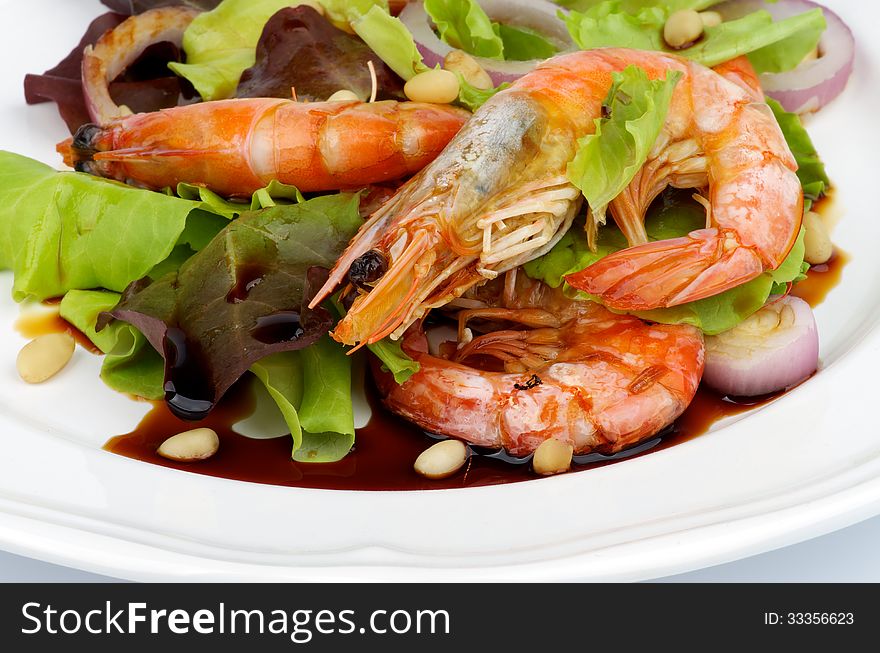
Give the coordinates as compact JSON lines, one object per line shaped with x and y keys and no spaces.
{"x":119,"y":48}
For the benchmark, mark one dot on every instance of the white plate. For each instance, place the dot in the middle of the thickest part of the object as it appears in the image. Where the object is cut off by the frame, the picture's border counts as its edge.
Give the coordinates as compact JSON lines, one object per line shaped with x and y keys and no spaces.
{"x":805,"y":465}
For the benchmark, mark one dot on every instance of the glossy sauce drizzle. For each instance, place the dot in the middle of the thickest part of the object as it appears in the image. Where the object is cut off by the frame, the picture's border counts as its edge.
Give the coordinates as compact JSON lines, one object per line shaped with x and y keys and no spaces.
{"x":33,"y":325}
{"x":822,"y":279}
{"x":385,"y":451}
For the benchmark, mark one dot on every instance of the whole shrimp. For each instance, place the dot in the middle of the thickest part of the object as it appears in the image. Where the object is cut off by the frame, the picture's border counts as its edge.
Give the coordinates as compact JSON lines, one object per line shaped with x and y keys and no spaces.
{"x":498,"y":196}
{"x":236,"y":147}
{"x":577,"y":372}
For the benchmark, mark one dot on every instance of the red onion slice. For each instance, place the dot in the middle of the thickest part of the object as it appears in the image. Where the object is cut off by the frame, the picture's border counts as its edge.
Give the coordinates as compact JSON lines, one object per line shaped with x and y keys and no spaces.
{"x":813,"y":84}
{"x":775,"y":349}
{"x":119,"y":48}
{"x":539,"y":15}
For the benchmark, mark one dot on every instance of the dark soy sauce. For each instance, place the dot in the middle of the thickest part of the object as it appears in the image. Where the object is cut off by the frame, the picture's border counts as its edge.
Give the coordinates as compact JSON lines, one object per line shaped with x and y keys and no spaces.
{"x":33,"y":325}
{"x":385,"y":451}
{"x":186,"y":393}
{"x":821,"y":279}
{"x":248,"y":277}
{"x":282,"y":326}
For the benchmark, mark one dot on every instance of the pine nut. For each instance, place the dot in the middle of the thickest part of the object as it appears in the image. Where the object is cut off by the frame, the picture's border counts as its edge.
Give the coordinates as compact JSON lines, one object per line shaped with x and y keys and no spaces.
{"x":552,"y":457}
{"x":45,"y":356}
{"x":190,"y":446}
{"x":343,"y":95}
{"x":466,"y":66}
{"x":442,"y":459}
{"x":682,"y":29}
{"x":818,"y":247}
{"x":711,"y":18}
{"x":433,"y":86}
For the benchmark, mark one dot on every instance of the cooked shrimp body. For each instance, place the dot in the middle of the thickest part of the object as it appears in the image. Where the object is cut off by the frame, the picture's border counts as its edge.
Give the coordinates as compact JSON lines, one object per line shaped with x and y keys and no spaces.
{"x":731,"y":146}
{"x":580,"y":374}
{"x":498,"y":196}
{"x":236,"y":147}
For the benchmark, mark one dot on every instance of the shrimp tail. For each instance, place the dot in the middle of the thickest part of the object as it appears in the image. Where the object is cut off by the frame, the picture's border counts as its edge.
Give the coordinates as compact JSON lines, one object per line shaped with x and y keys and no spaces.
{"x":670,"y":272}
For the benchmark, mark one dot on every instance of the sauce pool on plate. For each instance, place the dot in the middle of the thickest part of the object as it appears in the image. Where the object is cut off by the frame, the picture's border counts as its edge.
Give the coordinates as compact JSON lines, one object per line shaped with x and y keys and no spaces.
{"x":385,"y":449}
{"x":34,"y":324}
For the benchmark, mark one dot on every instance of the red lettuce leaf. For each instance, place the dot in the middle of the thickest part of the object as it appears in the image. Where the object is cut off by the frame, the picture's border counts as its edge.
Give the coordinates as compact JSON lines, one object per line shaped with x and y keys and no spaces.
{"x":146,"y":86}
{"x":131,"y":7}
{"x":241,"y":298}
{"x":300,"y":49}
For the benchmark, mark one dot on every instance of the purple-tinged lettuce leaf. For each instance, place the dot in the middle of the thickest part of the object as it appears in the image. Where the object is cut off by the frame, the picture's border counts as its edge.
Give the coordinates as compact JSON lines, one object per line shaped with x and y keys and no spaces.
{"x":301,"y":50}
{"x":240,"y":299}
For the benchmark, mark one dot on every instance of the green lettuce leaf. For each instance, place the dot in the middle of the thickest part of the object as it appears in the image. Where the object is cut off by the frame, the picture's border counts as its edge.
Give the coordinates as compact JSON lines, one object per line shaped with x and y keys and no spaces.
{"x":274,"y":194}
{"x":394,"y":44}
{"x":523,"y":44}
{"x":772,"y":46}
{"x":221,"y":44}
{"x":65,"y":230}
{"x":312,"y":389}
{"x":391,"y":41}
{"x":326,"y":411}
{"x":130,"y":365}
{"x":326,"y":402}
{"x":342,"y":12}
{"x":394,"y":359}
{"x":607,"y":25}
{"x":472,"y":97}
{"x":673,"y":216}
{"x":108,"y":234}
{"x":788,"y":53}
{"x":464,"y":25}
{"x":811,"y":170}
{"x":282,"y":376}
{"x":607,"y":161}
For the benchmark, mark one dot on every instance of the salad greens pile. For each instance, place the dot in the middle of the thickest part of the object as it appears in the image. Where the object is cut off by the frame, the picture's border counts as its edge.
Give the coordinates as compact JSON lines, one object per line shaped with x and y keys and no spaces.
{"x":771,"y":46}
{"x":136,"y":267}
